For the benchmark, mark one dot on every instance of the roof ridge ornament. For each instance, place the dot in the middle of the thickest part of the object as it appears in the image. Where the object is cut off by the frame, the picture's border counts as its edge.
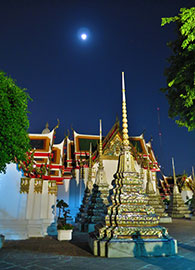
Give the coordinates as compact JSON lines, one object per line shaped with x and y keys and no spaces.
{"x":58,"y":124}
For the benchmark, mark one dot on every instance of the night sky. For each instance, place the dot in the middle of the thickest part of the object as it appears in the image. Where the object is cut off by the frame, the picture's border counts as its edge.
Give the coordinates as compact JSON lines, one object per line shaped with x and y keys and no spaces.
{"x":79,"y":81}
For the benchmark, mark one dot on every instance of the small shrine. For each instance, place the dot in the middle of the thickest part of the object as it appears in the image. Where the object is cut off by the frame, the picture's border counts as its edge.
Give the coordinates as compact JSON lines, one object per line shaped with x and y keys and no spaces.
{"x":155,"y":200}
{"x":177,"y":207}
{"x":99,"y":197}
{"x":82,"y":216}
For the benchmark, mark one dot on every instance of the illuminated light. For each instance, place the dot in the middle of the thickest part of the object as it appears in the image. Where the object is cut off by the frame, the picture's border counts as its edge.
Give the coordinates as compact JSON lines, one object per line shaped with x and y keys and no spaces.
{"x":84,"y":36}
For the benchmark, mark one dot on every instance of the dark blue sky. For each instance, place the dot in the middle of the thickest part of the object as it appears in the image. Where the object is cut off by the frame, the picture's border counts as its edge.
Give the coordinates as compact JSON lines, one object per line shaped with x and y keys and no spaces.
{"x":80,"y":82}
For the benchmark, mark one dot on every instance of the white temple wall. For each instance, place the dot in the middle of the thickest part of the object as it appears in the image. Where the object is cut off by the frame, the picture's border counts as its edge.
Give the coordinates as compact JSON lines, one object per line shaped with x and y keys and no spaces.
{"x":24,"y":215}
{"x":72,"y":193}
{"x":44,"y":201}
{"x":110,"y":167}
{"x":12,"y":205}
{"x":73,"y":190}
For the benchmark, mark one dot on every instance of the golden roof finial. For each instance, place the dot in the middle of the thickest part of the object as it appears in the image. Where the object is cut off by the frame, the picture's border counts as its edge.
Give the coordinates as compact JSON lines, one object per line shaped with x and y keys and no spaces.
{"x":100,"y":147}
{"x":193,"y":178}
{"x":90,"y":155}
{"x":89,"y":183}
{"x":124,"y":115}
{"x":174,"y":176}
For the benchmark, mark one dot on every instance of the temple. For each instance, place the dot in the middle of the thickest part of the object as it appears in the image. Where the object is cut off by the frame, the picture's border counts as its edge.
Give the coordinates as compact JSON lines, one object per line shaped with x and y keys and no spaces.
{"x":67,"y":163}
{"x":72,"y":170}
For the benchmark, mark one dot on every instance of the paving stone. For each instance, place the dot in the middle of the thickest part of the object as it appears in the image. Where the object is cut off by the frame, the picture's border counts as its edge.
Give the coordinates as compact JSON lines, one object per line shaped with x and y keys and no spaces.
{"x":49,"y":254}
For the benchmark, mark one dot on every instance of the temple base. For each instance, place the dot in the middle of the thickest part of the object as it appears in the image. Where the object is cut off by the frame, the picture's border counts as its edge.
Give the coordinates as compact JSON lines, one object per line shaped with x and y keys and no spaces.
{"x":181,"y":215}
{"x":117,"y":248}
{"x":91,"y":227}
{"x":165,"y":220}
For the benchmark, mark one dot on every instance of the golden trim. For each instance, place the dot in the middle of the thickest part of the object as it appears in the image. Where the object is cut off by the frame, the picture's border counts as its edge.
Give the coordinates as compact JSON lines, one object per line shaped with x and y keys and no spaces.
{"x":40,"y":160}
{"x":46,"y":142}
{"x":95,"y":137}
{"x":24,"y":185}
{"x":52,"y":187}
{"x":38,"y":185}
{"x":109,"y":157}
{"x":56,"y":151}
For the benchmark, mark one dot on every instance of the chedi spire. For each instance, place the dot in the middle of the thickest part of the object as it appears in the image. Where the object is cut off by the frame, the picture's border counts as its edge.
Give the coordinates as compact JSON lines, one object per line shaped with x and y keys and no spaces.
{"x":130,"y":223}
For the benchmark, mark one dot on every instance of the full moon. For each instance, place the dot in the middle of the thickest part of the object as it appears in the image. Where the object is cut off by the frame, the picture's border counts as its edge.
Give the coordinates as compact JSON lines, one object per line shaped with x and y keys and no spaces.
{"x":84,"y":36}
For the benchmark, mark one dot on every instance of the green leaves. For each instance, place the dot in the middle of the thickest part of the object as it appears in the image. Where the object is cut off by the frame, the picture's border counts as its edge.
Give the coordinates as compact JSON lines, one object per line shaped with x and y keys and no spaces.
{"x":168,"y":20}
{"x":180,"y":90}
{"x":14,"y":141}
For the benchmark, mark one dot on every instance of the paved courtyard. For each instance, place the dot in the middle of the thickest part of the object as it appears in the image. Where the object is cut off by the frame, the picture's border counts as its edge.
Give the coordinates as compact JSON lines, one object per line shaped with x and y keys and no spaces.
{"x":48,"y":253}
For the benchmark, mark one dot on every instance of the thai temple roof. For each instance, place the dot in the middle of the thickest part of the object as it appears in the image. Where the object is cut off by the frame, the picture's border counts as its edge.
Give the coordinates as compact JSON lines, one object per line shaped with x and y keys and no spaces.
{"x":71,"y":153}
{"x":82,"y":142}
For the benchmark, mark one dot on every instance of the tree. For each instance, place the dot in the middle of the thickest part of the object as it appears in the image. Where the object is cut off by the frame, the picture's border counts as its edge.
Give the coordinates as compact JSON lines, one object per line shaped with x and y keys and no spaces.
{"x":180,"y":74}
{"x":14,"y":141}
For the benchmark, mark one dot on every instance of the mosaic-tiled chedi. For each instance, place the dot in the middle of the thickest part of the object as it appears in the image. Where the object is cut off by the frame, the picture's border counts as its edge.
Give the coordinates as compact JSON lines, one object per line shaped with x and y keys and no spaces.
{"x":177,"y":207}
{"x":100,"y":193}
{"x":155,"y":200}
{"x":82,"y":216}
{"x":131,"y":225}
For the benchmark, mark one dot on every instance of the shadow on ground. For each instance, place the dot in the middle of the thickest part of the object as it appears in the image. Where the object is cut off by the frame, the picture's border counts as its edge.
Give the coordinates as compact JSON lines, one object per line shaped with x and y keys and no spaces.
{"x":78,"y":246}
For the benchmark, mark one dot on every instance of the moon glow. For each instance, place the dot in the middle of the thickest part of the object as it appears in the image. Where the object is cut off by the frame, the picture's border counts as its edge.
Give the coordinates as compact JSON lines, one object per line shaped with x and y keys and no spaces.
{"x":83,"y":36}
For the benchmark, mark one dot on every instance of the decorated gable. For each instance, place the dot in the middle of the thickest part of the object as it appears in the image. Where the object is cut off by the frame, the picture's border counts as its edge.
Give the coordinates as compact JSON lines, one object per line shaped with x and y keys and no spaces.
{"x":112,"y":148}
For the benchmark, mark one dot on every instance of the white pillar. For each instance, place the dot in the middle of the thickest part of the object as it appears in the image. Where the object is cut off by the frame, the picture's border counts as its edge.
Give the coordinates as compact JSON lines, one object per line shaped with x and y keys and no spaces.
{"x":44,"y":200}
{"x":30,"y":200}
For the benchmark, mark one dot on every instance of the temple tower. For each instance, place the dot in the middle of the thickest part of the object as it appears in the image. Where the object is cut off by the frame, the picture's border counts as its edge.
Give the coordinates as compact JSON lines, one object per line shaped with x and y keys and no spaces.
{"x":82,"y":216}
{"x":177,"y":207}
{"x":100,"y":193}
{"x":131,"y":226}
{"x":155,"y":200}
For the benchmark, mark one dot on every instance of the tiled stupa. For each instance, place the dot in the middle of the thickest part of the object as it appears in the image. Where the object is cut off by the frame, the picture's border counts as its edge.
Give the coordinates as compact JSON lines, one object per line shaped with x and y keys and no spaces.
{"x":131,"y":226}
{"x":177,"y":207}
{"x":82,"y":216}
{"x":154,"y":199}
{"x":99,"y":198}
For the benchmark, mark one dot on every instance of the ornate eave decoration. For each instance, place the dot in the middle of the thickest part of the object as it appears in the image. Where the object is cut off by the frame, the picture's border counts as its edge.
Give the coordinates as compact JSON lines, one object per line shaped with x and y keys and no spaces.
{"x":52,"y":187}
{"x":24,"y":185}
{"x":38,"y":185}
{"x":113,"y":147}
